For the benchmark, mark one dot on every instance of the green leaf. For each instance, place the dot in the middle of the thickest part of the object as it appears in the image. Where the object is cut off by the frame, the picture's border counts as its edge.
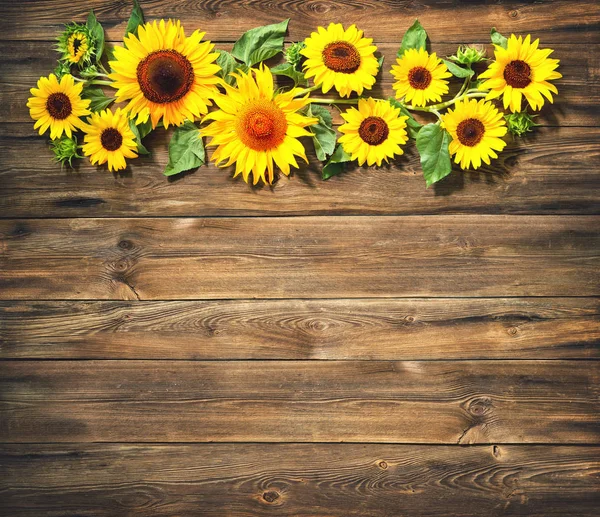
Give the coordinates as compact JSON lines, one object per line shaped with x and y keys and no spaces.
{"x":260,"y":43}
{"x":228,"y":64}
{"x":136,"y":19}
{"x":288,"y":70}
{"x":186,"y":149}
{"x":412,"y":126}
{"x":99,"y":100}
{"x":97,"y":32}
{"x":497,"y":38}
{"x":335,"y":165}
{"x":380,"y":61}
{"x":146,"y":127}
{"x":324,"y":135}
{"x":458,"y":71}
{"x":415,"y":37}
{"x":432,"y":144}
{"x":141,"y":149}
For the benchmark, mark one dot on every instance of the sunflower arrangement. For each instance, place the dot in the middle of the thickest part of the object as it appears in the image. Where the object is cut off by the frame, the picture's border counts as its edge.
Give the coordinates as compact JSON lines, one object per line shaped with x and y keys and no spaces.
{"x":258,"y":119}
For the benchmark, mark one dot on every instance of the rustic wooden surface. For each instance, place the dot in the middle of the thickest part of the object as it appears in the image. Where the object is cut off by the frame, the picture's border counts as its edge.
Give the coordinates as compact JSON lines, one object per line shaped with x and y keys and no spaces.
{"x":357,"y":347}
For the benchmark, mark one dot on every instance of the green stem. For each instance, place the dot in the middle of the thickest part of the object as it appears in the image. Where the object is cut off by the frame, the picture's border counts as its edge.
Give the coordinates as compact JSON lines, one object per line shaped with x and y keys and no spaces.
{"x":442,"y":105}
{"x":333,"y":101}
{"x":307,"y":90}
{"x":105,"y":83}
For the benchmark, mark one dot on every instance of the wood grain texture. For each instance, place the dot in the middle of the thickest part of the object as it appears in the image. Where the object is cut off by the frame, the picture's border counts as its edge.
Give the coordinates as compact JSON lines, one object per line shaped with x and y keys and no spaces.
{"x":386,"y":20}
{"x":460,"y":402}
{"x":555,"y":171}
{"x":484,"y":328}
{"x":322,"y":257}
{"x":298,"y":480}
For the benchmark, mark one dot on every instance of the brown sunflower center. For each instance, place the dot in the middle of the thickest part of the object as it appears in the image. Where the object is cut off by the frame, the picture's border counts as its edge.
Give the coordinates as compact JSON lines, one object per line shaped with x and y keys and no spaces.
{"x":111,"y":139}
{"x":374,"y":130}
{"x":517,"y":74}
{"x":165,"y":76}
{"x":419,"y":77}
{"x":261,"y":125}
{"x":342,"y":57}
{"x":76,"y":45}
{"x":470,"y":132}
{"x":59,"y":106}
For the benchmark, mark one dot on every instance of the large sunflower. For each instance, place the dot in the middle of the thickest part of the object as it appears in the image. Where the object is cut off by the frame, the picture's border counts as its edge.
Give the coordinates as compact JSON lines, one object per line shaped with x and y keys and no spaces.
{"x":521,"y":69}
{"x":374,"y":132}
{"x":108,"y":138}
{"x":256,"y":127}
{"x":420,"y":77}
{"x":339,"y":58}
{"x":477,"y":128}
{"x":58,"y":105}
{"x":165,"y":75}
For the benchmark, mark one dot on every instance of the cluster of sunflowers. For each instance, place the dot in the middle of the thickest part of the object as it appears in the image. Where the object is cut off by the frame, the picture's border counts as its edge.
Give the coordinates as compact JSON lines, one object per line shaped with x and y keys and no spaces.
{"x":164,"y":78}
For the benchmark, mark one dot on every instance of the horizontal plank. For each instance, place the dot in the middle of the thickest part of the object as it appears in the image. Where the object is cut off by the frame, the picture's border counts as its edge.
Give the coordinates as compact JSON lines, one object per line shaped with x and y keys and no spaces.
{"x":300,"y":401}
{"x":300,"y":257}
{"x":385,"y":20}
{"x":295,"y":480}
{"x":484,"y":328}
{"x":576,"y":105}
{"x":554,"y":171}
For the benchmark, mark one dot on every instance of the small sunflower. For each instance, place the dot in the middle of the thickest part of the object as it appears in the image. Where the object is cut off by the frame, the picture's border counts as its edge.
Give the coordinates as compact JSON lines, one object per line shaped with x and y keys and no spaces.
{"x":420,"y":77}
{"x":339,"y":58}
{"x":108,"y":138}
{"x":76,"y":44}
{"x":58,"y":105}
{"x":374,"y":132}
{"x":521,"y":69}
{"x":165,"y":75}
{"x":477,"y":128}
{"x":256,"y":127}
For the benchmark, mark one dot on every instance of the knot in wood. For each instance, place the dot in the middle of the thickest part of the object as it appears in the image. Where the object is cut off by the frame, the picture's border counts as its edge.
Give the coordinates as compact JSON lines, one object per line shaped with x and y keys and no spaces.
{"x":271,"y":496}
{"x":479,"y":407}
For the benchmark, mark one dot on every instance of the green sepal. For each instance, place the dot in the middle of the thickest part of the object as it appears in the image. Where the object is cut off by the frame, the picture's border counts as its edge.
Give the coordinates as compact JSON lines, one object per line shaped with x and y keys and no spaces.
{"x":186,"y":149}
{"x":414,"y":37}
{"x":260,"y":43}
{"x":335,"y":164}
{"x":288,"y":70}
{"x":412,"y":126}
{"x":458,"y":71}
{"x":135,"y":20}
{"x":324,"y":136}
{"x":497,"y":38}
{"x":97,"y":32}
{"x":432,"y":144}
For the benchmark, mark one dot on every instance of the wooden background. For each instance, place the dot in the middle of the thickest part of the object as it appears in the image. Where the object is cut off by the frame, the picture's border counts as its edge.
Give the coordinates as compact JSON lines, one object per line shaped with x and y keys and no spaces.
{"x":357,"y":347}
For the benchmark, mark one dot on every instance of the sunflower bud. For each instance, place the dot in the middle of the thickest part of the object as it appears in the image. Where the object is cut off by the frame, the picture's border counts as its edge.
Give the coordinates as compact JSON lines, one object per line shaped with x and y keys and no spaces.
{"x":76,"y":45}
{"x":520,"y":123}
{"x":293,"y":56}
{"x":61,"y":69}
{"x":64,"y":150}
{"x":469,"y":54}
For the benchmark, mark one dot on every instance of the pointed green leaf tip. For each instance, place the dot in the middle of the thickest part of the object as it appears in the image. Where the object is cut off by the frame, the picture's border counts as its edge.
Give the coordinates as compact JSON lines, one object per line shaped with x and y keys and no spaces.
{"x":432,"y":144}
{"x":260,"y":43}
{"x":97,"y":31}
{"x":458,"y":71}
{"x":136,"y":19}
{"x":497,"y":38}
{"x":335,"y":165}
{"x":324,"y":135}
{"x":186,"y":150}
{"x":415,"y":37}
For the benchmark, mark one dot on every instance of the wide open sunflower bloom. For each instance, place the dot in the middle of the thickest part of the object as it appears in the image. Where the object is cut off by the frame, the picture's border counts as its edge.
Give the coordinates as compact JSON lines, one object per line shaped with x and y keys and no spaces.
{"x":477,"y":128}
{"x":165,"y":75}
{"x":256,"y":128}
{"x":521,"y":70}
{"x":374,"y":132}
{"x":420,"y":77}
{"x":58,"y":105}
{"x":340,"y":58}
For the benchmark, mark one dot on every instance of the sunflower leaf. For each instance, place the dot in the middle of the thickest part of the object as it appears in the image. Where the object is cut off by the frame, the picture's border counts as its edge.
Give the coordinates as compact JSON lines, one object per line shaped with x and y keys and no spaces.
{"x":290,"y":71}
{"x":228,"y":64}
{"x":335,"y":165}
{"x":497,"y":38}
{"x":412,"y":126}
{"x":141,"y":148}
{"x":414,"y":37}
{"x":323,"y":134}
{"x":97,"y":32}
{"x":135,"y":20}
{"x":260,"y":43}
{"x":380,"y":60}
{"x":99,"y":100}
{"x":186,"y":149}
{"x":432,"y":144}
{"x":458,"y":71}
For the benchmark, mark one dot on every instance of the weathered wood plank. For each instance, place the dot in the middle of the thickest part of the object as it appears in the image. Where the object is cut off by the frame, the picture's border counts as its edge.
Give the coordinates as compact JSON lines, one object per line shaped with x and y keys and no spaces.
{"x":384,"y":20}
{"x":555,"y":171}
{"x":300,"y":257}
{"x":577,"y":104}
{"x":281,"y":401}
{"x":297,"y":480}
{"x":526,"y":328}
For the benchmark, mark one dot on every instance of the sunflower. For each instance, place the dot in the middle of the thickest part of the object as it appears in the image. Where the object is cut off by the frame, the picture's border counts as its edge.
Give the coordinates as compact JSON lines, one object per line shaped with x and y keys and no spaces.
{"x":256,"y":127}
{"x":108,"y":138}
{"x":374,"y":132}
{"x":420,"y":77}
{"x":339,"y":58}
{"x":57,"y":105}
{"x":165,"y":75}
{"x":477,"y":128}
{"x":521,"y":69}
{"x":76,"y":44}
